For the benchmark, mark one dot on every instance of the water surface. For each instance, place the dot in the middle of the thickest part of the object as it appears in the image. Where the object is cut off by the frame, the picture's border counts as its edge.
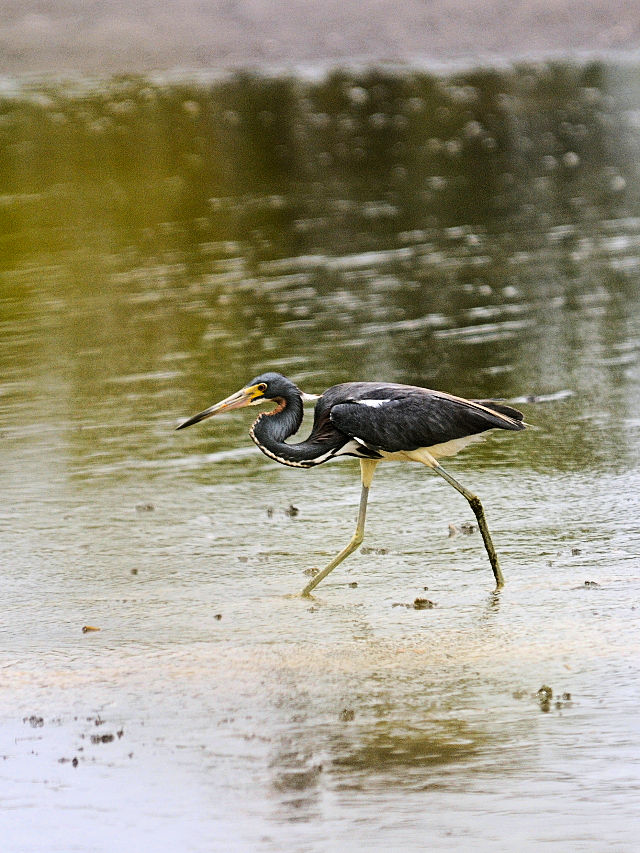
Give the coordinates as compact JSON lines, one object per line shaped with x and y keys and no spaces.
{"x":162,"y":242}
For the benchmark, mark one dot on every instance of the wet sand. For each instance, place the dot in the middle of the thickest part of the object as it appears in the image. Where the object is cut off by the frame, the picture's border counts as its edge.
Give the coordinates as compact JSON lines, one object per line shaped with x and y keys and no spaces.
{"x":114,"y":36}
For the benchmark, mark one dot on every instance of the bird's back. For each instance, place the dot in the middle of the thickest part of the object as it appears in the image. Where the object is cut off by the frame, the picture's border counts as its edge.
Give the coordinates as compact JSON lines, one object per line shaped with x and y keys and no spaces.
{"x":394,"y":417}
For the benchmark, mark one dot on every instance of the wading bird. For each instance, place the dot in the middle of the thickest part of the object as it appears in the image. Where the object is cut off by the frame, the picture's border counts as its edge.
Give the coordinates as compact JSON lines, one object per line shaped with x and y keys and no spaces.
{"x":372,"y":421}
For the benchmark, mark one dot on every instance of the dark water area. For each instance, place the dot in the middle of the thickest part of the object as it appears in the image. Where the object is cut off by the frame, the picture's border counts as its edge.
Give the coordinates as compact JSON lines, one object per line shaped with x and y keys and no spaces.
{"x":165,"y":239}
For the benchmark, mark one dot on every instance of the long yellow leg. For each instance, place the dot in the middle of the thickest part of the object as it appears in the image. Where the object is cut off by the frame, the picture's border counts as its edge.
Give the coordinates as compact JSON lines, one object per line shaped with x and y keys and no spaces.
{"x":367,"y":467}
{"x":476,"y":506}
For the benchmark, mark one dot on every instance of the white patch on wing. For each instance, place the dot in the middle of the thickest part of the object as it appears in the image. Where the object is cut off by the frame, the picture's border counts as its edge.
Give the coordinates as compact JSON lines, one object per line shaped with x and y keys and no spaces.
{"x":373,"y":403}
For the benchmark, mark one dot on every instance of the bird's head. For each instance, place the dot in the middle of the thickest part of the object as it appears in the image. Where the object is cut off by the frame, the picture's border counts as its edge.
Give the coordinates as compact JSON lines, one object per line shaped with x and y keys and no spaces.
{"x":267,"y":386}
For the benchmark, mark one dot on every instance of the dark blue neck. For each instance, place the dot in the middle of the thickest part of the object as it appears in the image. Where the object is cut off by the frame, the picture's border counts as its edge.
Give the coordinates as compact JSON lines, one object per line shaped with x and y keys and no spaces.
{"x":272,"y":428}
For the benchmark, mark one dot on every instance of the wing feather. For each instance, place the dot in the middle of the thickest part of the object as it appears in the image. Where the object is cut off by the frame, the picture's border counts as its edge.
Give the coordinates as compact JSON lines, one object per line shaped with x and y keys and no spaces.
{"x":409,"y":417}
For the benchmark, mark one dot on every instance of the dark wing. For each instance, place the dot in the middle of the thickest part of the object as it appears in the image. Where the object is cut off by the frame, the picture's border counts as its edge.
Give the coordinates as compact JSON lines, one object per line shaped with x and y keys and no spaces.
{"x":401,"y":417}
{"x":324,"y":432}
{"x":501,"y":408}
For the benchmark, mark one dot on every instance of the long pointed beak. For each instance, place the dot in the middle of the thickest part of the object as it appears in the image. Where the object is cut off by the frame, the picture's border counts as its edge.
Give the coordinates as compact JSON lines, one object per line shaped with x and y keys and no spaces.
{"x":242,"y":398}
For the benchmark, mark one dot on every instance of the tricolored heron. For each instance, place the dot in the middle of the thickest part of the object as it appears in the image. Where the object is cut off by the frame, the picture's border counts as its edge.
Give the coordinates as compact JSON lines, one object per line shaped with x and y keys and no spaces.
{"x":372,"y":421}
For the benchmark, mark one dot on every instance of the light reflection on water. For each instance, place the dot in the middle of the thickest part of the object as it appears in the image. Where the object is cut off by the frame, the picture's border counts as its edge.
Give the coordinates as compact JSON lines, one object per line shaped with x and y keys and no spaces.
{"x":160,"y":245}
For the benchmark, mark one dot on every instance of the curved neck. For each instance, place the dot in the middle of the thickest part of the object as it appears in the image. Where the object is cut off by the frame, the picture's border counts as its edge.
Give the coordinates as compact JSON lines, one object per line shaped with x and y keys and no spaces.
{"x":272,"y":428}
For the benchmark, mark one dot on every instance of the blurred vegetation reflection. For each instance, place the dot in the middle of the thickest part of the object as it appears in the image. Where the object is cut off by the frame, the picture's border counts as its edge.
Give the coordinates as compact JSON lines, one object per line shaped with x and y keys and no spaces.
{"x":371,"y":224}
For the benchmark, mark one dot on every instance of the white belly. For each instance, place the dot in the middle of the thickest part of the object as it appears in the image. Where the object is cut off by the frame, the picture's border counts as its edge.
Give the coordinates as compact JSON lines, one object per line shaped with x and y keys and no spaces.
{"x":428,"y":455}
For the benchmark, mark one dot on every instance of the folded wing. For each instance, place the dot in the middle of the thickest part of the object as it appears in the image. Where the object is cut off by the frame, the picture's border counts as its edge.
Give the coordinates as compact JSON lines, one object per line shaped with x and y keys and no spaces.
{"x":396,"y":417}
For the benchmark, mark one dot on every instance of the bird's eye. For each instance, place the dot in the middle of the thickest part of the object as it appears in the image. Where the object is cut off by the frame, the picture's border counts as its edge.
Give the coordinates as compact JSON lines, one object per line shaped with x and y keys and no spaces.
{"x":262,"y":387}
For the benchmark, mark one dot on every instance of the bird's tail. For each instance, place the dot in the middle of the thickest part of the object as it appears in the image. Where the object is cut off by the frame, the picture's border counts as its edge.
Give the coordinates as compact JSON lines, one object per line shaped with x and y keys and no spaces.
{"x":508,"y":411}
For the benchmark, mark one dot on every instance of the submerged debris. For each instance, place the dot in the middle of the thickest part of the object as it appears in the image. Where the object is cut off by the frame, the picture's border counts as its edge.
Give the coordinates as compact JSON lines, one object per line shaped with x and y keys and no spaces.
{"x":545,"y":695}
{"x":34,"y":721}
{"x":102,"y":738}
{"x":418,"y":604}
{"x":291,"y":510}
{"x":347,"y":715}
{"x":86,"y":629}
{"x":563,"y":702}
{"x":466,"y":527}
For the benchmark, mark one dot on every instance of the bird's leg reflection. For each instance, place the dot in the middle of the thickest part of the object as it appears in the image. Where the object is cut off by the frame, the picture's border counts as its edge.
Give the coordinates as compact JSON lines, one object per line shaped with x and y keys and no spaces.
{"x":367,"y":467}
{"x":476,"y":506}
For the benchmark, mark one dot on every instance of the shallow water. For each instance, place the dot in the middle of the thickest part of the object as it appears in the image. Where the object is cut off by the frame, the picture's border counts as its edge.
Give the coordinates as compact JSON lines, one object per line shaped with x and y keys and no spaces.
{"x":164,"y":241}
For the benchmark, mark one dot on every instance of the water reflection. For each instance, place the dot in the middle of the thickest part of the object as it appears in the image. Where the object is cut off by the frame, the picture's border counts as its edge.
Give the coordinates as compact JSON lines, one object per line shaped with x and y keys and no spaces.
{"x":422,"y":225}
{"x":405,"y":754}
{"x":368,"y":759}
